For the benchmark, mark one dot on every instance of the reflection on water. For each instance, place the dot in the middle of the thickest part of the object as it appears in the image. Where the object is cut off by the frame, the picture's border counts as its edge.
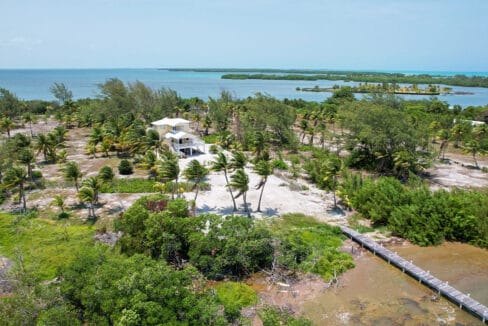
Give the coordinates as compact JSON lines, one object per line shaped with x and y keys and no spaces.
{"x":375,"y":293}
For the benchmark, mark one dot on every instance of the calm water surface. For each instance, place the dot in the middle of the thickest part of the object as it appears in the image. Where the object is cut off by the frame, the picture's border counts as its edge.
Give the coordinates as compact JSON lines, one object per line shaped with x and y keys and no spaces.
{"x":35,"y":84}
{"x":375,"y":293}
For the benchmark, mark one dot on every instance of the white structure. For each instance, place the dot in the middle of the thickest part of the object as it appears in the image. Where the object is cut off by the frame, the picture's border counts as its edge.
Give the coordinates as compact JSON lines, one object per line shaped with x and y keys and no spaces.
{"x":176,"y":133}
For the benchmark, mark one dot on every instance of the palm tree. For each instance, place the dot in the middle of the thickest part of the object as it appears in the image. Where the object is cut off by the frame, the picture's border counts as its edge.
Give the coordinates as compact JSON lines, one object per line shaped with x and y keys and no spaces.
{"x":15,"y":176}
{"x":71,"y":172}
{"x":240,"y":183}
{"x":27,"y":157}
{"x":238,"y":160}
{"x":195,"y":172}
{"x":474,"y":147}
{"x":95,"y":183}
{"x":60,"y":133}
{"x":331,"y":170}
{"x":259,"y":143}
{"x":170,"y":171}
{"x":59,"y":202}
{"x":222,"y":164}
{"x":106,"y":174}
{"x":28,"y":118}
{"x":6,"y":124}
{"x":42,"y":145}
{"x":264,"y":169}
{"x":87,"y":195}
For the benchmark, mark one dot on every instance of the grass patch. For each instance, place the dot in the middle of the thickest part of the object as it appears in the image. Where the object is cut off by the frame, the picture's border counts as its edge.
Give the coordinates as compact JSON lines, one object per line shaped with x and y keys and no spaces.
{"x":235,"y":293}
{"x":235,"y":296}
{"x":210,"y":139}
{"x":45,"y":245}
{"x":130,"y":186}
{"x":310,"y":246}
{"x":139,"y":185}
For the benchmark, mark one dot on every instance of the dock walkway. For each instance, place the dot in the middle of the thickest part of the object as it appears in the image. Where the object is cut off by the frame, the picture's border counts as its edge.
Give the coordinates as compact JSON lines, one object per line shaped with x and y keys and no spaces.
{"x":442,"y":288}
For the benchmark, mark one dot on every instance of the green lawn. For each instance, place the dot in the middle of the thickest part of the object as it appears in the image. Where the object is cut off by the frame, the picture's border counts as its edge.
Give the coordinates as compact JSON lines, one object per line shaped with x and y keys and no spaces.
{"x":44,"y":244}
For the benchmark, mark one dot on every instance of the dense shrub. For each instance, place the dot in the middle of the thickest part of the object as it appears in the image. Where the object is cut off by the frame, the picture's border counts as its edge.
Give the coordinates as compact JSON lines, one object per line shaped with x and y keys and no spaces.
{"x":310,"y":246}
{"x":125,"y":167}
{"x":423,"y":216}
{"x":217,"y":246}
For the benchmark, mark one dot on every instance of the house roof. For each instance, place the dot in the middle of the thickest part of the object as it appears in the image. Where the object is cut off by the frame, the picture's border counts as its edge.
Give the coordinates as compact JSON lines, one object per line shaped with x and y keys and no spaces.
{"x":170,"y":122}
{"x":177,"y":135}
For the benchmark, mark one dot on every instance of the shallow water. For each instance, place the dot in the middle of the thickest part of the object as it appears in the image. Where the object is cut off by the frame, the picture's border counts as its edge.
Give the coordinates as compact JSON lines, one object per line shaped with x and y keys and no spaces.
{"x":35,"y":84}
{"x":375,"y":293}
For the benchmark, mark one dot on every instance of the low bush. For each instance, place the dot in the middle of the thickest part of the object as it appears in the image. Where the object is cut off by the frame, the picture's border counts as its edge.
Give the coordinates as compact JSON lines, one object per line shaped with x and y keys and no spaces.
{"x":235,"y":296}
{"x":125,"y":167}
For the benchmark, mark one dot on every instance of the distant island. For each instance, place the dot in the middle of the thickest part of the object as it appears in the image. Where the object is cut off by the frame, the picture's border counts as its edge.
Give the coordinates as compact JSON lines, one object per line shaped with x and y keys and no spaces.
{"x":365,"y":77}
{"x":387,"y":88}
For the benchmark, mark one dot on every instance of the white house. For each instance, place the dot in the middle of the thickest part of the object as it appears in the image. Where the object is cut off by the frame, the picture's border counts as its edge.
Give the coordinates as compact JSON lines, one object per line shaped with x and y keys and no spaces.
{"x":176,"y":133}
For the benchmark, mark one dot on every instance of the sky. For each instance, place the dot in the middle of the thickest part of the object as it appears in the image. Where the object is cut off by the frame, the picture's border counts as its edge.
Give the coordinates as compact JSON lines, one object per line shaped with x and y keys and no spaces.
{"x":413,"y":35}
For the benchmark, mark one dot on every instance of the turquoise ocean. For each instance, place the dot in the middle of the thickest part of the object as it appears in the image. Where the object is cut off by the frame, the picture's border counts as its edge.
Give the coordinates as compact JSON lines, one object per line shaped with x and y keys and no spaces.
{"x":29,"y":84}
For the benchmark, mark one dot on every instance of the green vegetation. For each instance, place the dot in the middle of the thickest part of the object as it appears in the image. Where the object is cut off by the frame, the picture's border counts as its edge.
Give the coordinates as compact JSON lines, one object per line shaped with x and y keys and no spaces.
{"x":130,"y":186}
{"x":161,"y":268}
{"x":366,"y":77}
{"x":385,"y":88}
{"x":44,"y":246}
{"x":424,"y":217}
{"x":310,"y":246}
{"x":235,"y":296}
{"x":125,"y":167}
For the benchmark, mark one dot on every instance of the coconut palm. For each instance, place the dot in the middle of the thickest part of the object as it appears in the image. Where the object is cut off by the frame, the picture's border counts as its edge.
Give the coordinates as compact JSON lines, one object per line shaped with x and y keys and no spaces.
{"x":264,"y":169}
{"x":238,"y":160}
{"x":27,"y":157}
{"x":170,"y":171}
{"x":59,"y":202}
{"x":259,"y":143}
{"x":474,"y":148}
{"x":42,"y":145}
{"x":106,"y":174}
{"x":15,"y":176}
{"x":240,"y":183}
{"x":331,"y":170}
{"x":195,"y":172}
{"x":6,"y":124}
{"x":87,"y":195}
{"x":95,"y":183}
{"x":71,"y":172}
{"x":222,"y":164}
{"x":60,"y":133}
{"x":28,"y":118}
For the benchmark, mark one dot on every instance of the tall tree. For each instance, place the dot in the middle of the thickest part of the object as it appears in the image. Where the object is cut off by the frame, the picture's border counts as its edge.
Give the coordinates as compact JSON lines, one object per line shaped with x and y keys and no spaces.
{"x":240,"y":183}
{"x":264,"y":169}
{"x":474,"y":148}
{"x":169,"y":172}
{"x":15,"y":176}
{"x":94,"y":183}
{"x":221,"y":163}
{"x":27,"y":157}
{"x":6,"y":124}
{"x":87,"y":195}
{"x":196,"y":173}
{"x":238,"y":160}
{"x":71,"y":172}
{"x":61,"y":93}
{"x":331,"y":170}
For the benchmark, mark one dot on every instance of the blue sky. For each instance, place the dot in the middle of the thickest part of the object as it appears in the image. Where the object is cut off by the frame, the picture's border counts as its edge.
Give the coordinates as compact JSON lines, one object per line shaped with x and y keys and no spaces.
{"x":442,"y":35}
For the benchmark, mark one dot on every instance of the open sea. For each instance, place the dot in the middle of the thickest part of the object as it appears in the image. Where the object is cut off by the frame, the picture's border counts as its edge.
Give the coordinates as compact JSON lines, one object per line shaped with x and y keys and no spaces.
{"x":29,"y":84}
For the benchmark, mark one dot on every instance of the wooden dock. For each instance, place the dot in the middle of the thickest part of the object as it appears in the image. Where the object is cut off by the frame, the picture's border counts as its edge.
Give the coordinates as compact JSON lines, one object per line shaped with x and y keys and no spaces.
{"x":424,"y":277}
